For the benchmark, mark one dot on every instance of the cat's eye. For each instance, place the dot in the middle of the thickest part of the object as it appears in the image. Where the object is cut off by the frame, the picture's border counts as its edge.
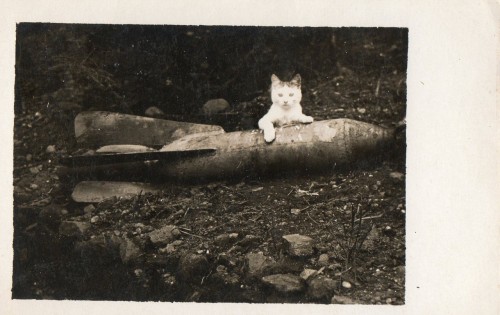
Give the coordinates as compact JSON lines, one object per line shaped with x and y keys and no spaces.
{"x":291,"y":94}
{"x":280,"y":94}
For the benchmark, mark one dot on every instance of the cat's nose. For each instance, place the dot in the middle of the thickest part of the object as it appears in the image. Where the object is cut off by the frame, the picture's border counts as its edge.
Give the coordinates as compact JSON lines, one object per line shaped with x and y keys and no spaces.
{"x":286,"y":102}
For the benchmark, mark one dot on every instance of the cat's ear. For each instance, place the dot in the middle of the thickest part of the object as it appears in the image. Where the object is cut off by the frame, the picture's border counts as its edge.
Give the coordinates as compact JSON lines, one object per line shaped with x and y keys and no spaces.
{"x":275,"y":79}
{"x":296,"y":80}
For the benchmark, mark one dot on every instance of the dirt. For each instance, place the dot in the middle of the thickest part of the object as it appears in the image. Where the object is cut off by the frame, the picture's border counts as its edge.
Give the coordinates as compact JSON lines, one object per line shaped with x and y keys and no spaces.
{"x":355,"y":215}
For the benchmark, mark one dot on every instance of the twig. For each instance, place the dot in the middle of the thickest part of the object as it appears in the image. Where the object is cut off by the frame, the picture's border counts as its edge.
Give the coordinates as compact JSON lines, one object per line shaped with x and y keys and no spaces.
{"x":194,"y":235}
{"x":369,"y":218}
{"x":312,"y":218}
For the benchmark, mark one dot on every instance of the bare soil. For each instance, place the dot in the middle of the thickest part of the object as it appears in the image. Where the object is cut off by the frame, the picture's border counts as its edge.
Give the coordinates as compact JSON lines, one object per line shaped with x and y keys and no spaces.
{"x":355,"y":214}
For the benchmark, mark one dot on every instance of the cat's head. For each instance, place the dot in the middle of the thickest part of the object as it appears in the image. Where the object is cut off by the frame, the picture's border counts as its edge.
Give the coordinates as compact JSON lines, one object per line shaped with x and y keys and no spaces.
{"x":286,"y":94}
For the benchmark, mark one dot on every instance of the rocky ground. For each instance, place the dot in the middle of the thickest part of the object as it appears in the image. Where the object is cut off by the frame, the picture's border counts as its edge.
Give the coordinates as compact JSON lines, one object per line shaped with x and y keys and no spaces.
{"x":335,"y":237}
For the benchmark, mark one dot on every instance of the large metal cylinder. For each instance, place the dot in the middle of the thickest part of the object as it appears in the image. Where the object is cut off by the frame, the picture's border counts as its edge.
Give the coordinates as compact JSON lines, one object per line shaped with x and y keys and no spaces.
{"x":317,"y":146}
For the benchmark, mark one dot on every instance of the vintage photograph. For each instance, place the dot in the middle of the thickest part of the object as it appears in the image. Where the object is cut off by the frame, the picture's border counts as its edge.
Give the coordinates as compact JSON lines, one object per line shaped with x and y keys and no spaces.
{"x":219,"y":164}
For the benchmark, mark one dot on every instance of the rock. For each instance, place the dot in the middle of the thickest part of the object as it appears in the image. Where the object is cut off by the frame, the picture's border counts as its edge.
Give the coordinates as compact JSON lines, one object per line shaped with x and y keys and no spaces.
{"x":94,"y":219}
{"x":372,"y":239}
{"x":289,"y":264}
{"x":285,"y":283}
{"x":299,"y":245}
{"x":73,"y":228}
{"x":89,"y":209}
{"x":28,"y":157}
{"x":51,"y":149}
{"x":225,"y":278}
{"x":34,"y":186}
{"x":397,"y":175}
{"x":164,"y":235}
{"x":295,"y":211}
{"x":193,"y":267}
{"x":35,"y":169}
{"x":361,"y":110}
{"x":101,"y":248}
{"x":340,"y":299}
{"x":215,"y":106}
{"x":400,"y":269}
{"x":258,"y":264}
{"x":51,"y":216}
{"x":307,"y":273}
{"x":222,"y":240}
{"x":346,"y":285}
{"x":249,"y":240}
{"x":154,"y":111}
{"x":129,"y":251}
{"x":321,"y":287}
{"x":323,"y":260}
{"x":389,"y":231}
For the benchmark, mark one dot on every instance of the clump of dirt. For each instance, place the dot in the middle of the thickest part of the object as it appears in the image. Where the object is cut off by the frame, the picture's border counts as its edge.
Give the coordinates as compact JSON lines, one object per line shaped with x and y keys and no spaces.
{"x":211,"y":242}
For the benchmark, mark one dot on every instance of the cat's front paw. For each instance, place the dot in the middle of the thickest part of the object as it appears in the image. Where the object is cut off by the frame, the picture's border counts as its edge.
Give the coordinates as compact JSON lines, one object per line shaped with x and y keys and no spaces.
{"x":307,"y":119}
{"x":269,"y":135}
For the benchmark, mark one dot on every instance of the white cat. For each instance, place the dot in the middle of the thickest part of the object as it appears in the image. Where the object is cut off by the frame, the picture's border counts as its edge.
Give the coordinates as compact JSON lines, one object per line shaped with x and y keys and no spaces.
{"x":286,"y":107}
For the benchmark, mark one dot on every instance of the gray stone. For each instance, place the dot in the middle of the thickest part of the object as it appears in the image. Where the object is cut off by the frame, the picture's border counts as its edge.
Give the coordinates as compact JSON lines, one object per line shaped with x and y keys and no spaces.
{"x":346,"y":284}
{"x":129,"y":251}
{"x":323,"y":260}
{"x":307,"y":273}
{"x":285,"y":283}
{"x":321,"y":287}
{"x":35,"y":169}
{"x":397,"y":175}
{"x":51,"y":149}
{"x":340,"y":299}
{"x":154,"y":111}
{"x":222,"y":240}
{"x":164,"y":235}
{"x":51,"y":216}
{"x":89,"y":209}
{"x":249,"y":240}
{"x":299,"y":245}
{"x":372,"y":239}
{"x":193,"y":267}
{"x":73,"y":228}
{"x":215,"y":106}
{"x":258,"y":264}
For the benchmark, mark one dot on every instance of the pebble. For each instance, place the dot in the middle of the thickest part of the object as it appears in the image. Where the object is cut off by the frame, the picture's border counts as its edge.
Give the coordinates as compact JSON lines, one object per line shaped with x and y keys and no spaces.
{"x":154,"y":111}
{"x":51,"y":216}
{"x":35,"y":169}
{"x":249,"y":240}
{"x":73,"y":228}
{"x":295,"y":211}
{"x":164,"y":235}
{"x":215,"y":106}
{"x":94,"y":219}
{"x":258,"y":264}
{"x":285,"y":283}
{"x":346,"y":285}
{"x":321,"y":287}
{"x":193,"y":267}
{"x":34,"y":186}
{"x":222,"y":239}
{"x":299,"y":245}
{"x":323,"y":260}
{"x":307,"y":273}
{"x":88,"y":209}
{"x":361,"y":110}
{"x":339,"y":299}
{"x":29,"y":157}
{"x":397,"y":175}
{"x":51,"y":149}
{"x":129,"y":251}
